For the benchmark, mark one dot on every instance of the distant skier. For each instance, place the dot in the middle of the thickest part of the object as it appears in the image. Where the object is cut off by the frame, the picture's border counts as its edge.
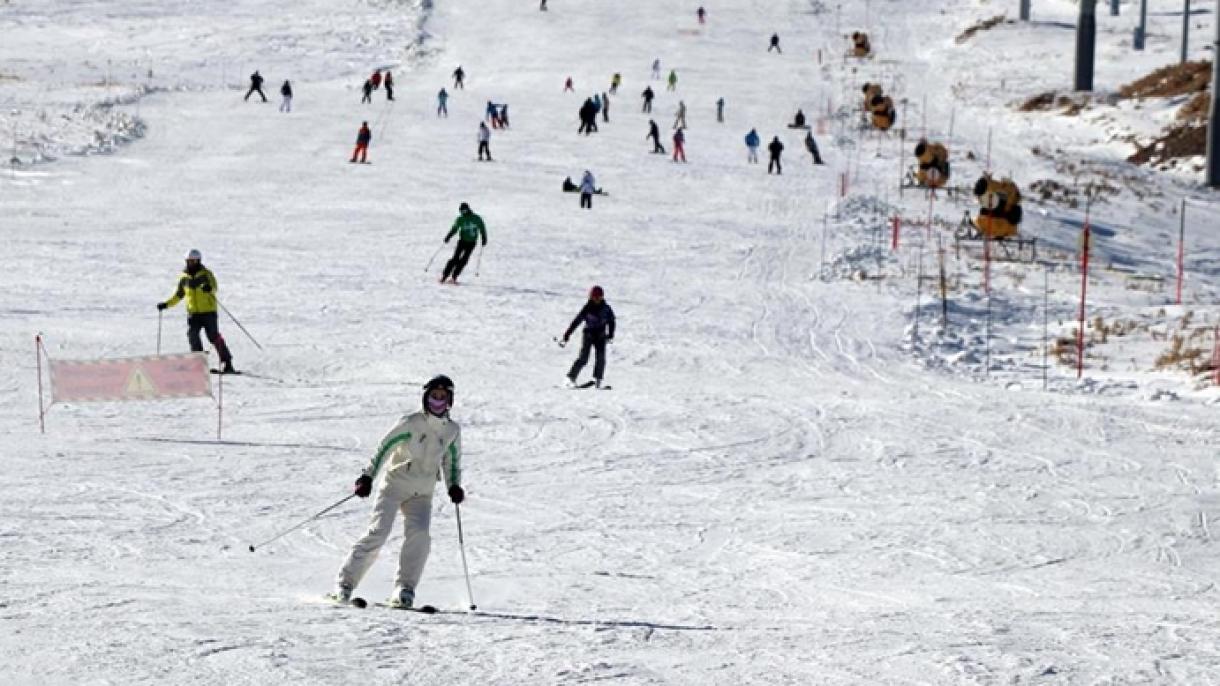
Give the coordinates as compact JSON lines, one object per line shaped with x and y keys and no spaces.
{"x":256,"y":86}
{"x":489,"y":113}
{"x":701,"y":14}
{"x":672,"y":81}
{"x":598,"y":319}
{"x":389,"y":85}
{"x":286,"y":94}
{"x":679,"y":145}
{"x":459,"y":77}
{"x":442,"y":97}
{"x":774,"y":44}
{"x":798,"y":121}
{"x":568,"y":86}
{"x":504,"y":116}
{"x":680,"y":116}
{"x":615,"y":82}
{"x":605,"y":108}
{"x":423,"y":448}
{"x":648,"y":95}
{"x":720,"y":110}
{"x":367,"y":89}
{"x":656,"y":68}
{"x":197,"y":285}
{"x":812,"y":146}
{"x":470,"y":230}
{"x":752,"y":143}
{"x":542,"y":5}
{"x":375,"y":79}
{"x":655,"y":135}
{"x":597,"y":104}
{"x":363,"y":138}
{"x":776,"y":149}
{"x":587,"y":188}
{"x":484,"y":141}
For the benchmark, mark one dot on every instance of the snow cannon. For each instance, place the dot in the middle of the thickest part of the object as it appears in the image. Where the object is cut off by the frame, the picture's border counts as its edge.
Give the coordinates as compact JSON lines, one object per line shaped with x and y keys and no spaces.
{"x":860,"y":46}
{"x":871,"y":90}
{"x":882,"y":113}
{"x":933,"y":164}
{"x":999,"y":207}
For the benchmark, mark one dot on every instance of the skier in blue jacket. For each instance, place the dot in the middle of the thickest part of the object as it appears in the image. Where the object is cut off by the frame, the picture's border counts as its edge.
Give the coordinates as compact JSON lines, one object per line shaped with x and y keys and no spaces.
{"x":752,"y":143}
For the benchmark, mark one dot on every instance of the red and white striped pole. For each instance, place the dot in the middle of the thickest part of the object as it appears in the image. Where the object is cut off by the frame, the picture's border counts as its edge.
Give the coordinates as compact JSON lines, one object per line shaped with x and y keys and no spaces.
{"x":1181,"y":251}
{"x":1216,"y":355}
{"x":1084,"y":285}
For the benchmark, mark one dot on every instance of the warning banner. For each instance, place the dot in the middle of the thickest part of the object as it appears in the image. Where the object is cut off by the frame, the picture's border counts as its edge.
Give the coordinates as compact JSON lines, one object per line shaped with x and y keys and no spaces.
{"x":131,"y":378}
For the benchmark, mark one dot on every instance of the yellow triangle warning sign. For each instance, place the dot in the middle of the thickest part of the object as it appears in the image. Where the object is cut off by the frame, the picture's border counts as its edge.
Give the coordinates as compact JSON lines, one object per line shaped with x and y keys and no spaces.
{"x":138,"y":384}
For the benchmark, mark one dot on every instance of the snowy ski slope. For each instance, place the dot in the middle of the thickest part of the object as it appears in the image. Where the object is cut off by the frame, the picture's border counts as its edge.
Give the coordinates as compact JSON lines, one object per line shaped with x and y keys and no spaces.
{"x":789,"y":483}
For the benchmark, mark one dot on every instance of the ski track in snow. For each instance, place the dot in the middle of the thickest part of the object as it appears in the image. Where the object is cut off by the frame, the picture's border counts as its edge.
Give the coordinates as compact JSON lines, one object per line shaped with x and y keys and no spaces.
{"x":775,"y":491}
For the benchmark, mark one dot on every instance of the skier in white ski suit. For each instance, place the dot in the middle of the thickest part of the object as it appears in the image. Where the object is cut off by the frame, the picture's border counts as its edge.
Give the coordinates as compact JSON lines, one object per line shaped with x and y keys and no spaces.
{"x":422,"y":448}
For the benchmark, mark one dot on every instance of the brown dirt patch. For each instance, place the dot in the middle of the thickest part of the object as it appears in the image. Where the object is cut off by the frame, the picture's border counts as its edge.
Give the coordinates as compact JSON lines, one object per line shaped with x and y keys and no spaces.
{"x":982,"y":26}
{"x":1177,"y":141}
{"x":1170,"y":81}
{"x":1195,"y":109}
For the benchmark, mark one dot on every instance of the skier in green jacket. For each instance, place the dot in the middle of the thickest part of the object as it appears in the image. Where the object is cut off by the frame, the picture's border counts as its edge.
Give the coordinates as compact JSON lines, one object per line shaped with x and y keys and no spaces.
{"x":469,"y":229}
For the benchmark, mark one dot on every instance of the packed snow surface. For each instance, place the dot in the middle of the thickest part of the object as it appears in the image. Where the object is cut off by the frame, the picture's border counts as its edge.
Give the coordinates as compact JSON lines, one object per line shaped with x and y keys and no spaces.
{"x":811,"y":467}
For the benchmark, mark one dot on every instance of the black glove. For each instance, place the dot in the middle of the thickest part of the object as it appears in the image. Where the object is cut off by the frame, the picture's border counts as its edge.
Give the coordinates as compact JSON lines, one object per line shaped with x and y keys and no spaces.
{"x":206,"y":287}
{"x":161,"y":306}
{"x":456,"y":494}
{"x":565,"y":338}
{"x":447,"y":238}
{"x":364,"y":485}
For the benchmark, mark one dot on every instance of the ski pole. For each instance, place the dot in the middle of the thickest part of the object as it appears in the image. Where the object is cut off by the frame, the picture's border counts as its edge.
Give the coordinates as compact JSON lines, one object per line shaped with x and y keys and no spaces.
{"x":430,"y":259}
{"x":479,"y":260}
{"x":462,"y":547}
{"x":159,"y":313}
{"x":300,"y":524}
{"x":243,"y":329}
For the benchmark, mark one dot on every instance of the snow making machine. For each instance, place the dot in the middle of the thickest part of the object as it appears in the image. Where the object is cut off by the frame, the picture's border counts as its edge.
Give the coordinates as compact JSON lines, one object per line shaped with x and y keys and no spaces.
{"x":999,"y":218}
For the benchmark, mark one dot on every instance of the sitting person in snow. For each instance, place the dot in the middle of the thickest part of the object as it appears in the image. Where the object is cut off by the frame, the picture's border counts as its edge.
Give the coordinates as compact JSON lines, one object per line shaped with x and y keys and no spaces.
{"x":798,"y":121}
{"x":569,"y":187}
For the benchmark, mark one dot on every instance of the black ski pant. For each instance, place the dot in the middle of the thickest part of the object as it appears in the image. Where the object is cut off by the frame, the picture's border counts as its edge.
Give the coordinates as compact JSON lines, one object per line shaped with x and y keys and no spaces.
{"x":656,"y":145}
{"x":461,"y":255}
{"x":253,"y":90}
{"x":484,"y":149}
{"x":586,"y":200}
{"x":208,"y":323}
{"x":389,"y":91}
{"x":774,"y":164}
{"x":598,"y":345}
{"x":647,"y":105}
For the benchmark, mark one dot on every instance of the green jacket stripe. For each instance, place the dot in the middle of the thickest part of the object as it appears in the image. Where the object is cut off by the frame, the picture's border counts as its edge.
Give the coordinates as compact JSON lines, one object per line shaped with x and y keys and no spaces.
{"x":385,"y":449}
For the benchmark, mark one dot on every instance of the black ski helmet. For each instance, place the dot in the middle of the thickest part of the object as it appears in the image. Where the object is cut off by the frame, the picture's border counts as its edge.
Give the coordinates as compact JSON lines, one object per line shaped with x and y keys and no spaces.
{"x":438,"y":381}
{"x":463,"y":207}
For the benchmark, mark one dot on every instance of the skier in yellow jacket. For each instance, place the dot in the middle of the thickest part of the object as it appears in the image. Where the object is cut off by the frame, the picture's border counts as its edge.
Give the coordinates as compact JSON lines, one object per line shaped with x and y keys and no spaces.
{"x":197,"y":285}
{"x":423,"y":448}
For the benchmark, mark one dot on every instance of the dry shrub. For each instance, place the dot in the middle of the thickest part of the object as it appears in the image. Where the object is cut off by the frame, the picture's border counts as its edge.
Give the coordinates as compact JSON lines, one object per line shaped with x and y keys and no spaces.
{"x":982,"y":25}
